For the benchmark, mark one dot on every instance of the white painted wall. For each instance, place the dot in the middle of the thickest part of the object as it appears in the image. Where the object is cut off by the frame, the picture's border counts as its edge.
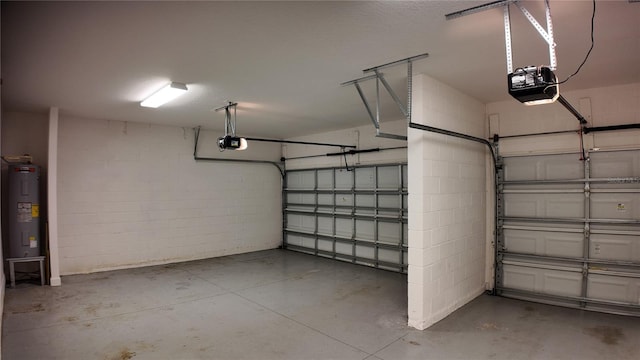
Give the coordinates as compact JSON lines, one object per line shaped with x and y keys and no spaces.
{"x":131,"y":195}
{"x":614,"y":105}
{"x":362,"y":136}
{"x":26,"y":133}
{"x":447,"y":203}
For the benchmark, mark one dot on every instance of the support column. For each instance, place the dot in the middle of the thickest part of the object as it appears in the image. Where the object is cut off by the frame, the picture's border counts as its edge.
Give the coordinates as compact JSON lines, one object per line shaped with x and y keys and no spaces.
{"x":52,"y":186}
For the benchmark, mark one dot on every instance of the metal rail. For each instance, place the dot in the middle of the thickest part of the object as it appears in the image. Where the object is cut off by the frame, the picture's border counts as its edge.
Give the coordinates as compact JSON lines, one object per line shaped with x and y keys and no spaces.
{"x":611,"y":180}
{"x":540,"y":134}
{"x":350,"y":215}
{"x":396,"y":62}
{"x":379,"y":264}
{"x":382,"y":191}
{"x":570,"y":220}
{"x":576,"y":299}
{"x":213,"y":159}
{"x":572,"y":110}
{"x":300,"y":142}
{"x":611,"y":128}
{"x":577,"y":260}
{"x":477,"y":9}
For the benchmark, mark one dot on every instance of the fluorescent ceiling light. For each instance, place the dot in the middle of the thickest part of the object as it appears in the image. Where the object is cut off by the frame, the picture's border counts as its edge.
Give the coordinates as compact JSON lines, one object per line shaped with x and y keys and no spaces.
{"x":164,"y":95}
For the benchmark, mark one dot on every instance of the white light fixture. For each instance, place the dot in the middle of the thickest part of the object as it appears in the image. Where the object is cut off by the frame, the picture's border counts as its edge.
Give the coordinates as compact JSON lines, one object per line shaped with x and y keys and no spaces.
{"x":164,"y":95}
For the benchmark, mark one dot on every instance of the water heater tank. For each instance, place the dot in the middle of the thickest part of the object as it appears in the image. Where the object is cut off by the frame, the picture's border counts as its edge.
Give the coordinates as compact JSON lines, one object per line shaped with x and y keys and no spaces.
{"x":24,"y":211}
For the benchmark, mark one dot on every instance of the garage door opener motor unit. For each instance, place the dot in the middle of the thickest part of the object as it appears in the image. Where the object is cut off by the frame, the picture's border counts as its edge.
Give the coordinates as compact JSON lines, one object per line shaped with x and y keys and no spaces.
{"x":533,"y":85}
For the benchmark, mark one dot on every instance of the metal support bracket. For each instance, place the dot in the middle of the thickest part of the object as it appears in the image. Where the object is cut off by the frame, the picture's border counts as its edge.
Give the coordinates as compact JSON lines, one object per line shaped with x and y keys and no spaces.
{"x":507,"y":39}
{"x":229,"y":122}
{"x":380,"y":79}
{"x":547,"y":34}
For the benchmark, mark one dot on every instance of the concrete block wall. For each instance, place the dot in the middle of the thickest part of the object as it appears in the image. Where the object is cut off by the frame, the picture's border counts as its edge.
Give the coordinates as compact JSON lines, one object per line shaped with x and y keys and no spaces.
{"x":447,"y":203}
{"x":132,"y":195}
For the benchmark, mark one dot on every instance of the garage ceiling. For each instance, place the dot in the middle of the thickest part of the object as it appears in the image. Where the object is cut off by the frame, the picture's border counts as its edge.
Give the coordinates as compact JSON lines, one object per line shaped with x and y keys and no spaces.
{"x":283,"y":61}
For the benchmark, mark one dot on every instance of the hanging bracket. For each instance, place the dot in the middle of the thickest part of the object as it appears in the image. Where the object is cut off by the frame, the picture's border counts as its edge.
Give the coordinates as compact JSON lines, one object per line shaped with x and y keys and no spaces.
{"x":229,"y":122}
{"x":380,"y":79}
{"x":546,"y":34}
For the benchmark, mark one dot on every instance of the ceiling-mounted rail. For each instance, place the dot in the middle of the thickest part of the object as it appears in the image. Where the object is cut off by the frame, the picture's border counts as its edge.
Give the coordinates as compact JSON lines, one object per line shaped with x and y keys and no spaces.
{"x":401,"y":61}
{"x":572,"y":110}
{"x":477,"y":9}
{"x":196,"y":157}
{"x":301,"y":142}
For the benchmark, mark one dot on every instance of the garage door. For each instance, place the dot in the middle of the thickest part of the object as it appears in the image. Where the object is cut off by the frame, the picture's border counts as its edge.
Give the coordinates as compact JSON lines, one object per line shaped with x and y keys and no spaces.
{"x":569,"y":230}
{"x":357,"y":215}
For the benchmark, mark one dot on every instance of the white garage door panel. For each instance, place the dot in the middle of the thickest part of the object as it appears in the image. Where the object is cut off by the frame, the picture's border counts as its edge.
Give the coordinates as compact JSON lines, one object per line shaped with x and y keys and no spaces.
{"x":325,"y":245}
{"x":569,"y":230}
{"x":551,"y":167}
{"x":366,"y":252}
{"x":389,"y":201}
{"x":325,"y":225}
{"x":358,"y":216}
{"x":544,"y":205}
{"x":304,"y":223}
{"x":539,"y":280}
{"x":365,"y":178}
{"x":296,"y":199}
{"x":389,"y":233}
{"x":325,"y":199}
{"x":615,"y":288}
{"x":344,"y":227}
{"x":365,"y":230}
{"x":365,"y":201}
{"x":388,"y":178}
{"x":301,"y":180}
{"x":344,"y":179}
{"x":325,"y":179}
{"x":560,"y":244}
{"x":615,"y":164}
{"x":615,"y":247}
{"x":302,"y":241}
{"x":344,"y":200}
{"x":389,"y":256}
{"x":345,"y":249}
{"x":615,"y":206}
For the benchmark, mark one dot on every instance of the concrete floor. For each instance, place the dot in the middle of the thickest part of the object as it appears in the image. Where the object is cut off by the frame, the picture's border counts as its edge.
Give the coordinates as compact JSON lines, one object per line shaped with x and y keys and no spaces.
{"x":284,"y":305}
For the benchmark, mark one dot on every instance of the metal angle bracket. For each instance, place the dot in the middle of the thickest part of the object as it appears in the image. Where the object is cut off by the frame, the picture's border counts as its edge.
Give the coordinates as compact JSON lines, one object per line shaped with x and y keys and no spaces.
{"x":229,"y":123}
{"x":380,"y":79}
{"x":547,"y":34}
